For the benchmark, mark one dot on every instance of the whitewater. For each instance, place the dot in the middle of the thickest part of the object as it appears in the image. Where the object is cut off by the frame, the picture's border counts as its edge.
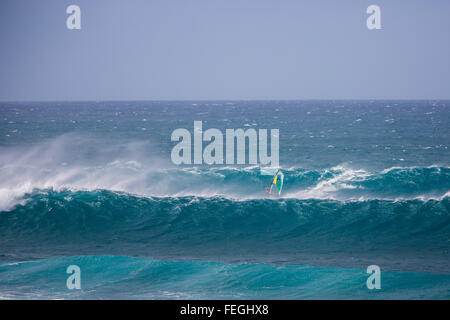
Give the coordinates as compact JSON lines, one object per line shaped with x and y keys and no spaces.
{"x":85,"y":184}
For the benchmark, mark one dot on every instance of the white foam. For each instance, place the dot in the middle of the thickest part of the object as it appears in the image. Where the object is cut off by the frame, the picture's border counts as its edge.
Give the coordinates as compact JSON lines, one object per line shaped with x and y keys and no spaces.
{"x":61,"y":164}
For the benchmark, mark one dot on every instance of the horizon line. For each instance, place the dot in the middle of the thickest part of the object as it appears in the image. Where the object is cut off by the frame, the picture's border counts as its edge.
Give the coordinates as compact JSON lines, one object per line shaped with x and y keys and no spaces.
{"x":227,"y":100}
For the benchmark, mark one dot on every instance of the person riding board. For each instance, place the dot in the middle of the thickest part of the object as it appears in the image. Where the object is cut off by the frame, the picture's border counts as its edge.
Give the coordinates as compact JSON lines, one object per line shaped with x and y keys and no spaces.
{"x":277,"y":181}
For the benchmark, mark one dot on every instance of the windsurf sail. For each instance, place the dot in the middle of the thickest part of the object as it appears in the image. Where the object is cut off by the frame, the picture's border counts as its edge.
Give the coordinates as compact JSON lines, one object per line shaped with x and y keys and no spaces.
{"x":277,"y":183}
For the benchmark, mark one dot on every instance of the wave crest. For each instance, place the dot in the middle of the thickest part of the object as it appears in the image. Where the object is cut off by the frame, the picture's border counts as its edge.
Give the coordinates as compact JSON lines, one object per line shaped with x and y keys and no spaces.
{"x":291,"y":230}
{"x":79,"y":163}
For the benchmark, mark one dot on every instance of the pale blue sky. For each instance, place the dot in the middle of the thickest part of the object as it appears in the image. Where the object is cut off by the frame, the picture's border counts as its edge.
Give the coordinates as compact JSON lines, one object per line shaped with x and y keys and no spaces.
{"x":224,"y":49}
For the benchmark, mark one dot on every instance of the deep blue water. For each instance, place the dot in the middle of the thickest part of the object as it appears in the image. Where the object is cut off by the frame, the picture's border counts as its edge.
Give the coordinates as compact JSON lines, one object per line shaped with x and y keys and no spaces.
{"x":92,"y":184}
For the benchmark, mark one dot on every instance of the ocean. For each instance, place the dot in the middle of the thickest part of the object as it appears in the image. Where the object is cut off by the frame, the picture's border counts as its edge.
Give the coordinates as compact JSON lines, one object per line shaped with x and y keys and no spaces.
{"x":92,"y":184}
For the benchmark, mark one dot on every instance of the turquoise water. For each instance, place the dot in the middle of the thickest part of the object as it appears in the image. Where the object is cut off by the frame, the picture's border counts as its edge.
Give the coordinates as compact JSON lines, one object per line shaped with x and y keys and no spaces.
{"x":92,"y":184}
{"x":116,"y":277}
